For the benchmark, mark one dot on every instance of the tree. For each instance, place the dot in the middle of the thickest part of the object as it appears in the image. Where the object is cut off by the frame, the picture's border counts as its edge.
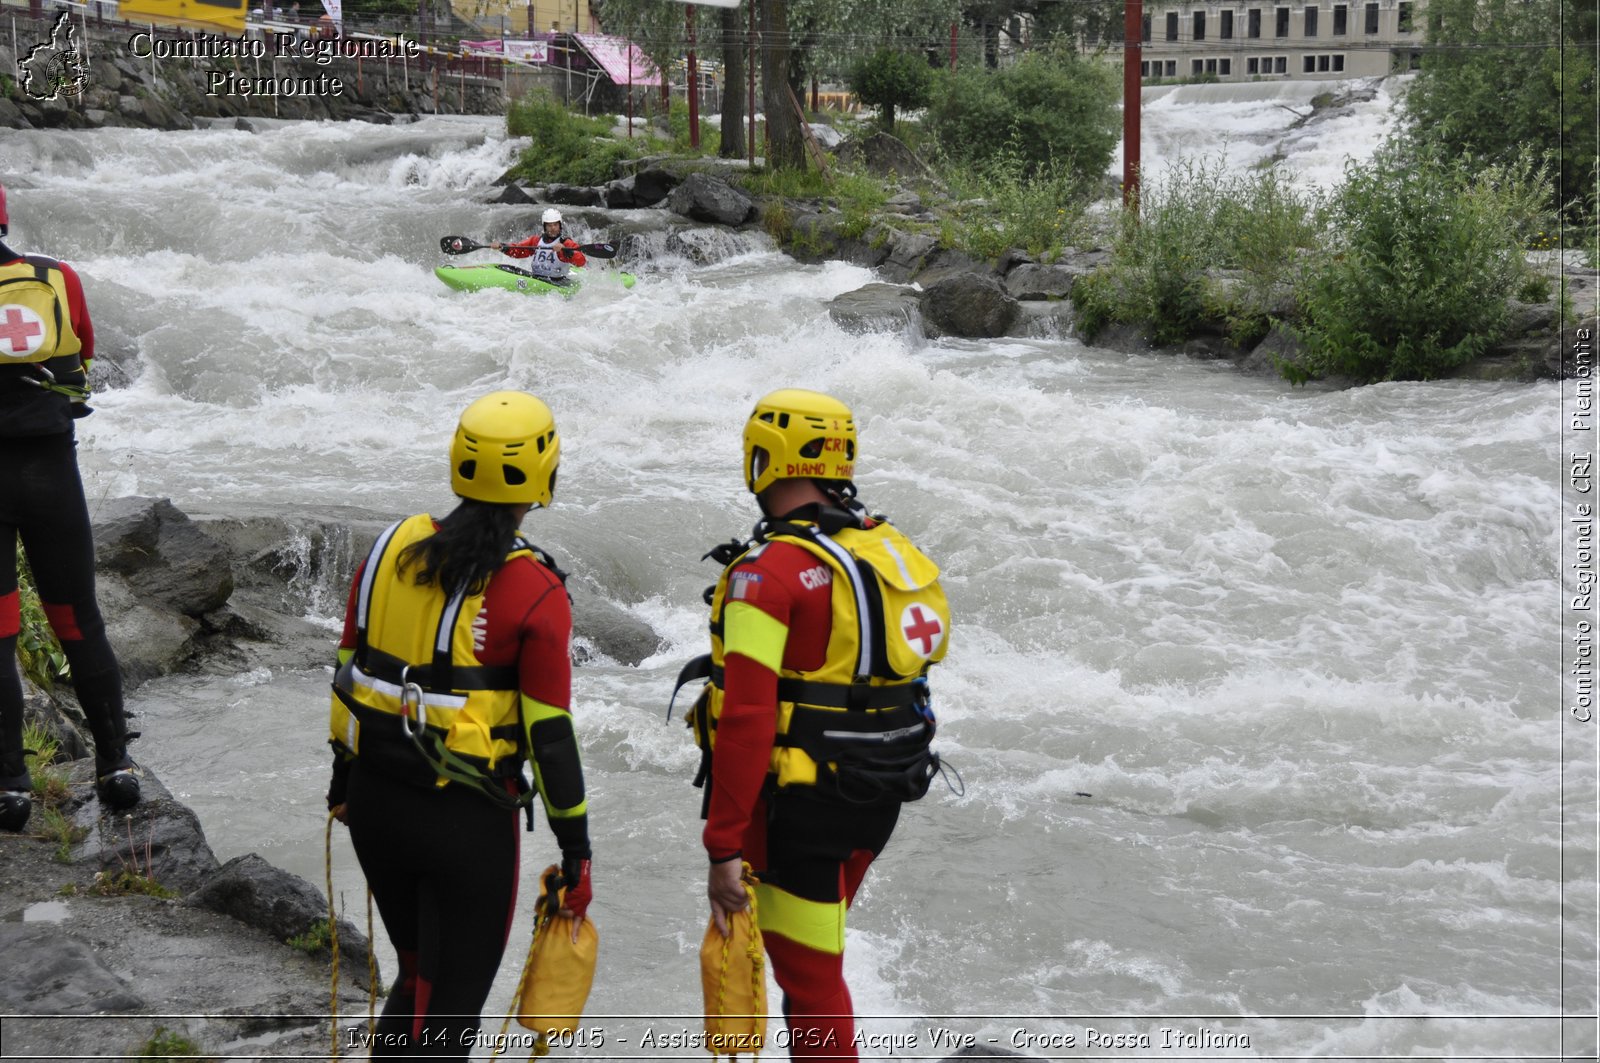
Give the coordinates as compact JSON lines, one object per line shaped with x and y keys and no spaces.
{"x":733,"y":83}
{"x":1049,"y":109}
{"x":888,"y":79}
{"x":1496,"y":78}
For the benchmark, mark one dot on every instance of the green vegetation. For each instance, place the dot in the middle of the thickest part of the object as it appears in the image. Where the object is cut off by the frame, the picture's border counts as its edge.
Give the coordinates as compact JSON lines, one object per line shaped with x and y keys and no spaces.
{"x":60,"y":830}
{"x":40,"y":654}
{"x":1001,"y":205}
{"x":167,"y":1045}
{"x":40,"y":753}
{"x":1053,"y":111}
{"x":1421,"y":256}
{"x":889,"y":79}
{"x":317,"y":938}
{"x":1195,"y":222}
{"x":1507,"y":76}
{"x":565,"y":146}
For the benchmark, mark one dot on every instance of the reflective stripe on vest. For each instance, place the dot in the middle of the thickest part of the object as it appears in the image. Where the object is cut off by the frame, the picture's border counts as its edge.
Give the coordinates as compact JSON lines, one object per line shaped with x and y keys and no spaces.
{"x":862,"y":695}
{"x":408,"y":634}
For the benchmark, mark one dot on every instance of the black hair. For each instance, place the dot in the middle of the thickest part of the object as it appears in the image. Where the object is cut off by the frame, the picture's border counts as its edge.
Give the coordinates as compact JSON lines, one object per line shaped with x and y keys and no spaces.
{"x":467,"y":550}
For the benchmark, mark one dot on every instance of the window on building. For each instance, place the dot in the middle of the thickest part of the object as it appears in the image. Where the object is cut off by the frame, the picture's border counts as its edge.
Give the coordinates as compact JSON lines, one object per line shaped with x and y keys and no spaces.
{"x":1311,"y":22}
{"x":1322,"y":64}
{"x":1144,"y":69}
{"x":1405,"y":23}
{"x":1225,"y":31}
{"x":1147,"y":29}
{"x":1199,"y":25}
{"x":1211,"y":66}
{"x":1195,"y":66}
{"x":1372,"y":18}
{"x":1172,"y":25}
{"x":1252,"y":66}
{"x":1340,"y":15}
{"x":1338,"y":63}
{"x":1280,"y":26}
{"x":1253,"y":22}
{"x":1310,"y":65}
{"x":1225,"y":67}
{"x":1172,"y":68}
{"x":1280,"y":64}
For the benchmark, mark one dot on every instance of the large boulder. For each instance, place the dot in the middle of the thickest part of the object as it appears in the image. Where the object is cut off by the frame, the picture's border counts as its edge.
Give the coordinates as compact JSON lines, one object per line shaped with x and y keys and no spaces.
{"x":159,"y":838}
{"x":908,"y":252}
{"x":876,"y":308}
{"x":284,"y":905}
{"x":884,"y":155}
{"x":1562,"y":360}
{"x":711,"y":199}
{"x":161,"y":554}
{"x":970,"y":305}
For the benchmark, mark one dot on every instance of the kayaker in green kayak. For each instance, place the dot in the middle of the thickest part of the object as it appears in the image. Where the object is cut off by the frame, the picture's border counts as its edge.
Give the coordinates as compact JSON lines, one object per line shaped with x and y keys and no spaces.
{"x":553,"y":252}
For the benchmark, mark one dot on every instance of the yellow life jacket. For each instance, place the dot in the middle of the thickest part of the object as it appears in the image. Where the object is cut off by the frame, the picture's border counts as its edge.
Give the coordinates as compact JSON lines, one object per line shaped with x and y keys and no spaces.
{"x":35,"y":319}
{"x":413,"y":696}
{"x":861,"y":723}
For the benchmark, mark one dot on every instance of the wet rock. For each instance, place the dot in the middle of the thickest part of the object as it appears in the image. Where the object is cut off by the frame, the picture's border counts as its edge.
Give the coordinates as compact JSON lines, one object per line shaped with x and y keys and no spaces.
{"x":286,"y":906}
{"x":1053,"y":320}
{"x":159,"y":838}
{"x":1032,"y":281}
{"x":63,"y":976}
{"x":611,"y":629}
{"x":1577,"y":346}
{"x":574,"y":195}
{"x":943,"y":263}
{"x":161,"y":554}
{"x":876,"y":308}
{"x":653,"y":184}
{"x":907,"y":254}
{"x":970,"y":305}
{"x":514,"y":194}
{"x":711,"y":199}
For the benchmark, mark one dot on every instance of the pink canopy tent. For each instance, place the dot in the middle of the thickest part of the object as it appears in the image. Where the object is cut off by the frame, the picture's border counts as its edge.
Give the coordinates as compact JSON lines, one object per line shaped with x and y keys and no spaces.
{"x":623,"y":62}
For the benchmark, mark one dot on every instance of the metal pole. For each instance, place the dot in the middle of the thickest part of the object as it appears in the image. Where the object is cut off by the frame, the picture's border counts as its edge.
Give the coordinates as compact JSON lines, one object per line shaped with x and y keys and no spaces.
{"x":1133,"y":36}
{"x":628,"y":41}
{"x":751,"y":110}
{"x":694,"y":82}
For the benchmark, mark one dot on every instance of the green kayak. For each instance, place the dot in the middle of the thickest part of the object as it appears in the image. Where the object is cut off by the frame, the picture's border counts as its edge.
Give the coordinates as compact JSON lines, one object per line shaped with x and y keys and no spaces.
{"x":498,"y":275}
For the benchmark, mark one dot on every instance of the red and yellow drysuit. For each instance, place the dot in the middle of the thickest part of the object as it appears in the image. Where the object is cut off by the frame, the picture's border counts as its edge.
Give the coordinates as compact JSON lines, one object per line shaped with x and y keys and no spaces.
{"x":817,"y":727}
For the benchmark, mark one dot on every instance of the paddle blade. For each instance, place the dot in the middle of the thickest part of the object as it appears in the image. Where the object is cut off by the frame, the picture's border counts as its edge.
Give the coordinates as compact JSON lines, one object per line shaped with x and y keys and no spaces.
{"x":459,"y":245}
{"x":598,"y":250}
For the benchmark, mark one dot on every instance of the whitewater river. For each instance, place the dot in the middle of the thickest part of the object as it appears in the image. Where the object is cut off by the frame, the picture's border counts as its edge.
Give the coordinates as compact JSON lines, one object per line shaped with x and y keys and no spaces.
{"x":1253,"y":689}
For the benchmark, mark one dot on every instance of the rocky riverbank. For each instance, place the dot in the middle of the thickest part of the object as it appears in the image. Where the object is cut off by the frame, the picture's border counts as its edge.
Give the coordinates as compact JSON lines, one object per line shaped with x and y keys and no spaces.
{"x":929,"y":289}
{"x":126,"y":929}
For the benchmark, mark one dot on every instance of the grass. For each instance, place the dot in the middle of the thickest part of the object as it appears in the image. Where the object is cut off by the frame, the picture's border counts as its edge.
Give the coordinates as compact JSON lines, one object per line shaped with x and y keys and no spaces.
{"x":43,"y":663}
{"x":317,"y":938}
{"x":168,"y":1045}
{"x":131,"y":878}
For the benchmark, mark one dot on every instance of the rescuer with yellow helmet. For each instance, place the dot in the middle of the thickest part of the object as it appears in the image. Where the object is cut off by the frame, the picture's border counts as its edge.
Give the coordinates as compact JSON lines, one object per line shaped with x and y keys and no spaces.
{"x":46,"y":345}
{"x":815,"y":723}
{"x":454,"y":669}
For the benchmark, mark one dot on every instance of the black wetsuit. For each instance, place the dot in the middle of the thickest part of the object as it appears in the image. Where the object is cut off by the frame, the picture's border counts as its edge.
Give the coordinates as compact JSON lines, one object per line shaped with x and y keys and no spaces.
{"x":41,"y":501}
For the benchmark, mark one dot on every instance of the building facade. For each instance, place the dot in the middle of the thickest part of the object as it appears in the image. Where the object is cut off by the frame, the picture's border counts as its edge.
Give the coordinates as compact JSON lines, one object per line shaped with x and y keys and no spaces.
{"x":1282,"y":41}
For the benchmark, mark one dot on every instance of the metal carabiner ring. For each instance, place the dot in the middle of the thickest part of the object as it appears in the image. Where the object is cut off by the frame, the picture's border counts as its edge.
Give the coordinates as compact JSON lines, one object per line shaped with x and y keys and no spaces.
{"x":412,"y":707}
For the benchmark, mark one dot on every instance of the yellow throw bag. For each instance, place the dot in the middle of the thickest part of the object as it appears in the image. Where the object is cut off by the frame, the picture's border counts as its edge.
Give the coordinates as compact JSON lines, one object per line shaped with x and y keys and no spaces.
{"x":733,"y":975}
{"x":560,"y":971}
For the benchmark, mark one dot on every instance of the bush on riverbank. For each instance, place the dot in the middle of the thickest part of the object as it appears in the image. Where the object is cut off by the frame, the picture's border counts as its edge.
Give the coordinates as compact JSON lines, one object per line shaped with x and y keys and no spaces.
{"x":1195,"y":221}
{"x":1422,"y":256}
{"x":1050,"y":109}
{"x":1000,"y":204}
{"x":565,"y":146}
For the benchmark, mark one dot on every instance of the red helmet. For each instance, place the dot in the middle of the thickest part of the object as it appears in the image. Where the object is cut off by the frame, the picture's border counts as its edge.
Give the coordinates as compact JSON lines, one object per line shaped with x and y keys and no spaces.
{"x":5,"y":219}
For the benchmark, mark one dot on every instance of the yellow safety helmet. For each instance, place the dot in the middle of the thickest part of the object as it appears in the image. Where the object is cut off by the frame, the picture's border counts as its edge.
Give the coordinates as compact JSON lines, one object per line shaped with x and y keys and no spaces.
{"x":795,"y":434}
{"x":505,"y":450}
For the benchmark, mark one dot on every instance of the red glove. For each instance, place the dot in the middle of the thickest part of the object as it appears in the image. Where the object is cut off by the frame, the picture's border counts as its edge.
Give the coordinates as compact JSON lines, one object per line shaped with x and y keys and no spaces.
{"x":564,"y":255}
{"x":575,"y":876}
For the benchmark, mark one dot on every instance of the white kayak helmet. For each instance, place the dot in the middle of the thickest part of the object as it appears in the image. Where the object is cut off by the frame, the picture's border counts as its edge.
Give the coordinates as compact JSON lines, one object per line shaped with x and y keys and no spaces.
{"x":551,"y":214}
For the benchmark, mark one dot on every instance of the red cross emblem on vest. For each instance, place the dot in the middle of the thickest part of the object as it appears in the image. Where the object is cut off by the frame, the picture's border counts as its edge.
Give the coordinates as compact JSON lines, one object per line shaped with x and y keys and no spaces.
{"x":21,"y":331}
{"x":921,"y":629}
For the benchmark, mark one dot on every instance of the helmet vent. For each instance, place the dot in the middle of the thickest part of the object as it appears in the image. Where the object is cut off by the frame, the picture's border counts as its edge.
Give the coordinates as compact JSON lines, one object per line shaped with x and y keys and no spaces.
{"x":812,"y":449}
{"x":468,"y":469}
{"x":540,"y":441}
{"x":515,"y":477}
{"x":783,"y":420}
